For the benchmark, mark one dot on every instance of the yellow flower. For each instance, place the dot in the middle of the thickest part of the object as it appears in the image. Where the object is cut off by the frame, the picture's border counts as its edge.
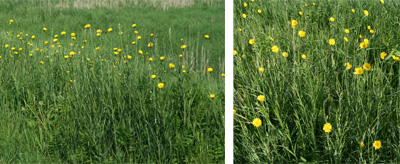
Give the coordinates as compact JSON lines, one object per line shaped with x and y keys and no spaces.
{"x":160,"y":85}
{"x":294,"y":23}
{"x":332,"y":42}
{"x":87,"y":26}
{"x":360,"y":36}
{"x":367,"y":66}
{"x":162,"y":58}
{"x":261,"y":69}
{"x":41,"y":62}
{"x":327,"y":127}
{"x":259,"y":11}
{"x":305,"y":5}
{"x":383,"y":55}
{"x":245,"y":4}
{"x":251,"y":41}
{"x":66,"y":56}
{"x":73,"y":34}
{"x":133,"y":25}
{"x":140,"y":52}
{"x":212,"y":96}
{"x":234,"y":52}
{"x":151,"y":34}
{"x":98,"y":34}
{"x":72,"y":53}
{"x":369,"y":27}
{"x":261,"y":98}
{"x":377,"y":145}
{"x":171,"y":65}
{"x":150,"y":45}
{"x":150,"y":59}
{"x":371,"y":31}
{"x":300,"y":13}
{"x":153,"y":76}
{"x":63,"y":33}
{"x":275,"y":48}
{"x":244,"y":16}
{"x":346,"y":31}
{"x":109,"y":29}
{"x":362,"y":144}
{"x":45,"y":29}
{"x":11,"y":21}
{"x":6,"y":46}
{"x":234,"y":111}
{"x":136,"y":32}
{"x":348,"y":65}
{"x":382,"y":1}
{"x":206,"y":36}
{"x":332,"y":19}
{"x":302,"y":33}
{"x":395,"y":58}
{"x":71,"y":81}
{"x":139,"y":37}
{"x":257,"y":122}
{"x":352,"y":10}
{"x":364,"y":45}
{"x":129,"y":57}
{"x":313,"y":4}
{"x":304,"y":56}
{"x":366,"y":13}
{"x":33,"y":37}
{"x":55,"y":40}
{"x":223,"y":75}
{"x":209,"y":69}
{"x":180,"y":55}
{"x":271,"y":39}
{"x":359,"y":71}
{"x":183,"y":47}
{"x":121,"y":33}
{"x":115,"y":53}
{"x":285,"y":54}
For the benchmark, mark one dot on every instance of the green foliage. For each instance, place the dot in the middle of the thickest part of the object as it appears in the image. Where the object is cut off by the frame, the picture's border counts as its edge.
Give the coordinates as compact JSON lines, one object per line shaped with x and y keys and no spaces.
{"x":100,"y":107}
{"x":301,"y":95}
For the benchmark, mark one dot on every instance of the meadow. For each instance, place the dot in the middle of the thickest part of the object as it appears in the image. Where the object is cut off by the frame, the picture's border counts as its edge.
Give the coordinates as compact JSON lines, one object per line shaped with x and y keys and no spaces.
{"x":317,"y":81}
{"x":112,"y":81}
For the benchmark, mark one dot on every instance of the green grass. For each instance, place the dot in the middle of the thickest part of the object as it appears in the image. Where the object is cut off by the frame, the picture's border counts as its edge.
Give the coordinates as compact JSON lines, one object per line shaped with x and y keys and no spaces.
{"x":98,"y":107}
{"x":301,"y":95}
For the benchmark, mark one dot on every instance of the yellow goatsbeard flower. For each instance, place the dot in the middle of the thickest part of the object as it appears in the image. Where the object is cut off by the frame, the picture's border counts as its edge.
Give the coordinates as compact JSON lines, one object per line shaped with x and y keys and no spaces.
{"x":302,"y":33}
{"x":303,"y":56}
{"x":332,"y":19}
{"x":346,"y":31}
{"x":332,"y":42}
{"x":257,"y":122}
{"x":395,"y":58}
{"x":348,"y":65}
{"x":285,"y":54}
{"x":359,"y":71}
{"x":366,"y":13}
{"x":367,"y":66}
{"x":377,"y":145}
{"x":261,"y":69}
{"x":275,"y":49}
{"x":251,"y":41}
{"x":209,"y":69}
{"x":212,"y":96}
{"x":327,"y":127}
{"x":383,"y":55}
{"x":261,"y":98}
{"x":160,"y":85}
{"x":244,"y":16}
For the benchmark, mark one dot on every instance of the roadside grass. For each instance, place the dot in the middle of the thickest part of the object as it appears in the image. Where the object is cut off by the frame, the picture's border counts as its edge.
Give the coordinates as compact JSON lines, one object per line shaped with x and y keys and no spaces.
{"x":77,"y":100}
{"x":302,"y":94}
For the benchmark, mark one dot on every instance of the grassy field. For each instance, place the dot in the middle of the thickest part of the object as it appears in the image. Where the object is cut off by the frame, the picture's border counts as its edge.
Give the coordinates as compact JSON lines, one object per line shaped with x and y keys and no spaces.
{"x":107,"y":91}
{"x":317,"y":81}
